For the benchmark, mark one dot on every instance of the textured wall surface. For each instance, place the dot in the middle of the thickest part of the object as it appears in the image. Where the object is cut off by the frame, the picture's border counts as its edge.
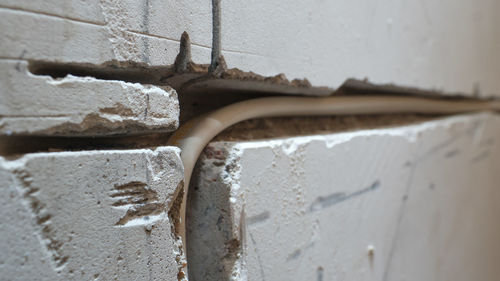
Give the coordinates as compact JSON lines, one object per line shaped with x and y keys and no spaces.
{"x":100,"y":215}
{"x":404,"y":202}
{"x":447,"y":45}
{"x":81,"y":106}
{"x":410,"y":203}
{"x":443,"y":45}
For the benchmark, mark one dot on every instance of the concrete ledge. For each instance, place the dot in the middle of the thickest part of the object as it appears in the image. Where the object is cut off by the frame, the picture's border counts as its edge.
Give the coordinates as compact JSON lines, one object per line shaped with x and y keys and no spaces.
{"x":81,"y":106}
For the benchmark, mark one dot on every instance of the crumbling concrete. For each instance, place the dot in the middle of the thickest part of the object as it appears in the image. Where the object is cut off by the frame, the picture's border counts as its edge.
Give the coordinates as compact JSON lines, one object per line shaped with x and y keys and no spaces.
{"x":411,"y":202}
{"x":101,"y":215}
{"x":81,"y":106}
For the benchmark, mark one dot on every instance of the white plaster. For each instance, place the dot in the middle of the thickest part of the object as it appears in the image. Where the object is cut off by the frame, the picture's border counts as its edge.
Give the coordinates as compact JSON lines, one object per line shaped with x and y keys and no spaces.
{"x":407,"y":203}
{"x":62,"y":217}
{"x":40,"y":105}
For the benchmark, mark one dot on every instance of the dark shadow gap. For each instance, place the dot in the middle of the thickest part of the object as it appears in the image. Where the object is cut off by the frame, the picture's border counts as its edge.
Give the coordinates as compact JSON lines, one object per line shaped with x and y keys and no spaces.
{"x":264,"y":128}
{"x":200,"y":93}
{"x":128,"y":72}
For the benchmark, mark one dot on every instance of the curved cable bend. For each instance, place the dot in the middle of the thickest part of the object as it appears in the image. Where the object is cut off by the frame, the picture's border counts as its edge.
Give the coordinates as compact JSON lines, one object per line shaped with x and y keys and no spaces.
{"x":193,"y":136}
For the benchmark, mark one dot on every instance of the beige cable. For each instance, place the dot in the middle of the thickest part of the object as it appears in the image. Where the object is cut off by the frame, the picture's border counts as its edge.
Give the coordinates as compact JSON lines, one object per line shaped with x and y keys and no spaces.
{"x":192,"y":137}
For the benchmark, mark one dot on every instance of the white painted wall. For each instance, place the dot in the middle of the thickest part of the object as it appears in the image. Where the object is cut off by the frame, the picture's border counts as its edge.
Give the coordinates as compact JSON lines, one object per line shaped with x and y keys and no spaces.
{"x":423,"y":198}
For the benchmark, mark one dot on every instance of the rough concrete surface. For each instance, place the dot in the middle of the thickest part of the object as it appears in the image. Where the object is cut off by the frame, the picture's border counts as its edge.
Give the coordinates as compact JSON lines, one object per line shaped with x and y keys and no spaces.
{"x":444,"y":46}
{"x":405,"y":203}
{"x":162,"y":19}
{"x":118,"y":32}
{"x":408,"y":203}
{"x":76,"y":106}
{"x":100,"y":215}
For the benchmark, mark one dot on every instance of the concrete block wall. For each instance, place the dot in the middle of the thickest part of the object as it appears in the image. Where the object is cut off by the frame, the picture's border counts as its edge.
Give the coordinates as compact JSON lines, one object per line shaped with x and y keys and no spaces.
{"x":415,"y":202}
{"x":448,"y":46}
{"x":88,"y":215}
{"x":95,"y":215}
{"x":80,"y":106}
{"x":104,"y":69}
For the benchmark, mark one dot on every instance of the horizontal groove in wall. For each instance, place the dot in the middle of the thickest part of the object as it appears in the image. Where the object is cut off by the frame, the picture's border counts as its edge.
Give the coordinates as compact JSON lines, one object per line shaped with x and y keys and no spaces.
{"x":266,"y":128}
{"x":208,"y":95}
{"x":123,"y":71}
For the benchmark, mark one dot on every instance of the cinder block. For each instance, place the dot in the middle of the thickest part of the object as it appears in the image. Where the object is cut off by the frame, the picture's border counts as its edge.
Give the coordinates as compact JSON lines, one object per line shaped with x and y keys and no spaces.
{"x":86,"y":10}
{"x":96,"y":215}
{"x":431,"y":45}
{"x":47,"y":37}
{"x":412,"y":202}
{"x":81,"y":106}
{"x":436,"y":45}
{"x":161,"y":19}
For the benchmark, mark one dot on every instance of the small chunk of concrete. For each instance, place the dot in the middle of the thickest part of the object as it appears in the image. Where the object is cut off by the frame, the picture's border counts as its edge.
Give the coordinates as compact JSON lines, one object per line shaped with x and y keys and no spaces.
{"x":100,"y":215}
{"x":81,"y":106}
